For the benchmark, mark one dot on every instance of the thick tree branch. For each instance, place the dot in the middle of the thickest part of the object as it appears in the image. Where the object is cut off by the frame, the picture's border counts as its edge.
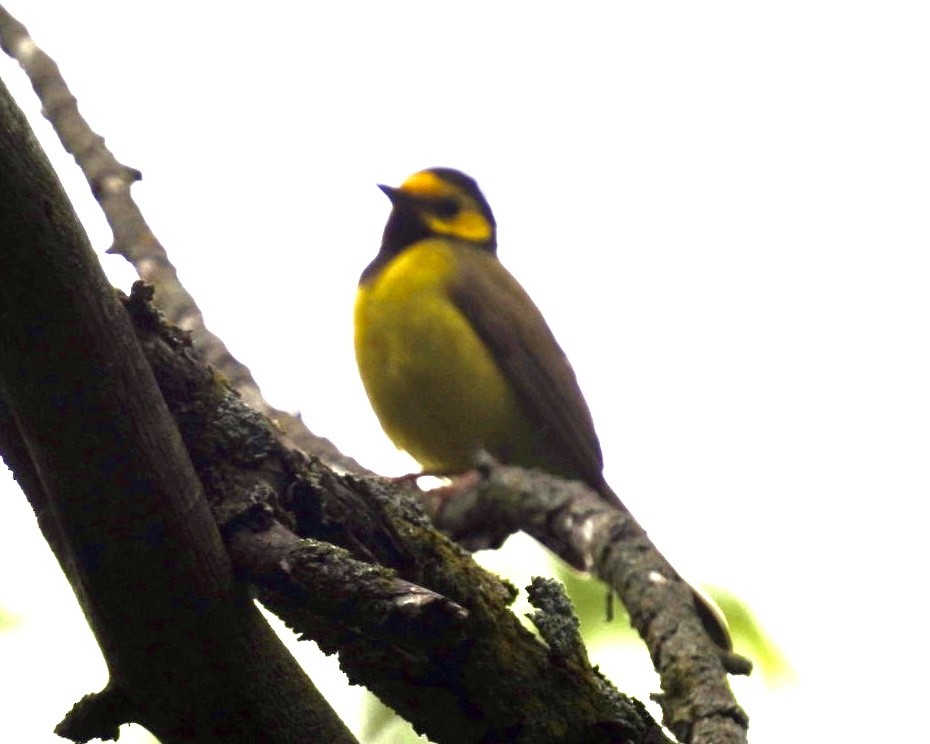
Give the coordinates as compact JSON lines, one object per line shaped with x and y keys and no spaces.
{"x":460,"y":669}
{"x":363,"y":517}
{"x":304,"y":580}
{"x":188,"y":655}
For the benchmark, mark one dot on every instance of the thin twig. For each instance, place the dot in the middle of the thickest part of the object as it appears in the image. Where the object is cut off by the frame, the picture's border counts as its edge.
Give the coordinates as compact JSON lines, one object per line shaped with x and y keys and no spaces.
{"x":110,"y":182}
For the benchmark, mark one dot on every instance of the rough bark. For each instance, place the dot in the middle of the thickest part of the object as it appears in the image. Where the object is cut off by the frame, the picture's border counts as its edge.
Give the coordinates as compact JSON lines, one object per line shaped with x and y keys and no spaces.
{"x":103,"y":464}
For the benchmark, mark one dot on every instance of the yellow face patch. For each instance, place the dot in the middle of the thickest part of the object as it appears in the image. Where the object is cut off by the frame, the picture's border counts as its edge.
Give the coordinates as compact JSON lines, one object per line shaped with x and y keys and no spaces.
{"x":468,"y":223}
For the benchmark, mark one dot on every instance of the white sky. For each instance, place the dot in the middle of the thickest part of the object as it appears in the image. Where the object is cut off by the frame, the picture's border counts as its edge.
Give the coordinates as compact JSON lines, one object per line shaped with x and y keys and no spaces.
{"x":721,"y":208}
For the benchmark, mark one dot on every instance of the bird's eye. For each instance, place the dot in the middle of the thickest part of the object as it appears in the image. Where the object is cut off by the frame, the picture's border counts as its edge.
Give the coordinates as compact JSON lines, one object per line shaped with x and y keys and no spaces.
{"x":446,"y":208}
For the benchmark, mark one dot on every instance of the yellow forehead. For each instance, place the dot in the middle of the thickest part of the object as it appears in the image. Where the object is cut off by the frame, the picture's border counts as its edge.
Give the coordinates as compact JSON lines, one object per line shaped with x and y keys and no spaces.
{"x":427,"y":183}
{"x":468,"y":223}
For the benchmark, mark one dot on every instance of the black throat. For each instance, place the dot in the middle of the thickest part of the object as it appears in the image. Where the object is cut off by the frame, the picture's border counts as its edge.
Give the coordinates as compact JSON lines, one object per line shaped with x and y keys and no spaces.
{"x":404,"y":228}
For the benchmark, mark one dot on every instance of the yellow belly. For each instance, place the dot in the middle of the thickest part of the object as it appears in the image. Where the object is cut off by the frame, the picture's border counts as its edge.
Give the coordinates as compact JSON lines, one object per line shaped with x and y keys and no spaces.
{"x":437,"y":391}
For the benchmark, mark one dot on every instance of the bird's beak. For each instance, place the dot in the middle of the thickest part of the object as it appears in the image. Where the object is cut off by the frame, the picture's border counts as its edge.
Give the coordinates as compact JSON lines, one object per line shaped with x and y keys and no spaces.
{"x":401,"y":199}
{"x":392,"y":193}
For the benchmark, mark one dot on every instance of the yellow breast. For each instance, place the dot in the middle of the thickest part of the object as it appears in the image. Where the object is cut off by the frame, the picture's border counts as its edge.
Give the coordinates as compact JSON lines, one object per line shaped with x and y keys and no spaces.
{"x":435,"y":387}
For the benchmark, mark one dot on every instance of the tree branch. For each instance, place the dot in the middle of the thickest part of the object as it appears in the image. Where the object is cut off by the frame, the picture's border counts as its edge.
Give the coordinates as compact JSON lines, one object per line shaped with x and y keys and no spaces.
{"x":450,"y":657}
{"x":118,"y":500}
{"x":574,"y":522}
{"x":303,"y":580}
{"x":321,"y":503}
{"x":110,"y":182}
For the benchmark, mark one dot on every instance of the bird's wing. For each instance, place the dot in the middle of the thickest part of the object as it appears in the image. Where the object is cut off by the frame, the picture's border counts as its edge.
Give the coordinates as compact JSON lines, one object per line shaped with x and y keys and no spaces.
{"x":511,"y":325}
{"x":508,"y":321}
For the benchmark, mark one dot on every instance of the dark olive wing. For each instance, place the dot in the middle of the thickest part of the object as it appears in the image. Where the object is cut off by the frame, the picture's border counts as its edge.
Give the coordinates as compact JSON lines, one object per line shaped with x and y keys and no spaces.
{"x":508,"y":321}
{"x":511,"y":325}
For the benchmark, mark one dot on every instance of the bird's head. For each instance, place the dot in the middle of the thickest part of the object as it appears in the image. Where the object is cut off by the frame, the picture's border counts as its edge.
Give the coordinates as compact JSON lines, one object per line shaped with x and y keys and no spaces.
{"x":439,"y":202}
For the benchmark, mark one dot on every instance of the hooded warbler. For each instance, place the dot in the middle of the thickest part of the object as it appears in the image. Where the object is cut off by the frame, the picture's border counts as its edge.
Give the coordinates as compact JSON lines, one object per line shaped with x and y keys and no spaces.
{"x":456,"y":357}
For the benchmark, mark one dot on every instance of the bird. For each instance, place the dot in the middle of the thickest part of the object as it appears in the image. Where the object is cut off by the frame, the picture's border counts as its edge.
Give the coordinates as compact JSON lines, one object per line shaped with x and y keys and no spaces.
{"x":454,"y":355}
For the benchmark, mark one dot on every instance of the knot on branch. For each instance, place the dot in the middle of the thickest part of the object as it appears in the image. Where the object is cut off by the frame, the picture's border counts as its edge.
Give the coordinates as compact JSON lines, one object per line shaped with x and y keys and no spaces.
{"x":96,"y":716}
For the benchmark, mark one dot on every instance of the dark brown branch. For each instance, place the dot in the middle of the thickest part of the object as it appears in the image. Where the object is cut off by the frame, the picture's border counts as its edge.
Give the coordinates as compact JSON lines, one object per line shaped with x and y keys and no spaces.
{"x":576,"y":523}
{"x":110,"y":182}
{"x":471,"y":676}
{"x":117,"y":498}
{"x":97,"y":716}
{"x":309,"y":583}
